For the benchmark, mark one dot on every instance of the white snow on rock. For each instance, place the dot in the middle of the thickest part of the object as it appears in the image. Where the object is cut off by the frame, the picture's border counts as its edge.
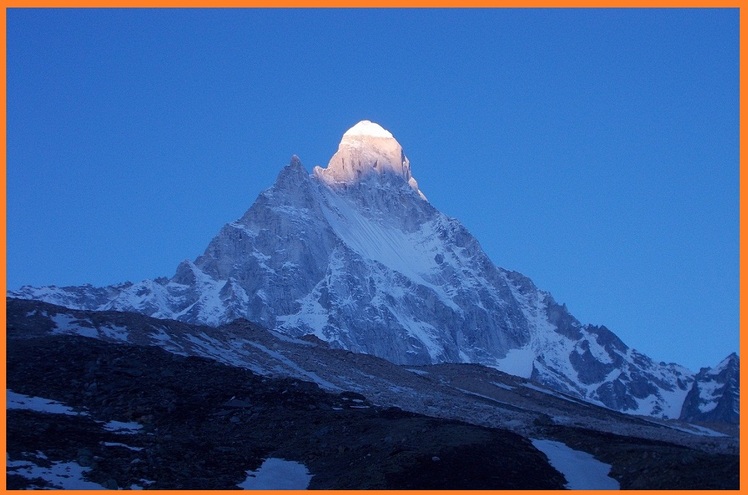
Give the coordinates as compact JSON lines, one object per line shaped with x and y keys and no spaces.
{"x":20,"y":401}
{"x":123,"y":445}
{"x":708,"y":393}
{"x":581,"y":470}
{"x":277,"y":474}
{"x":61,"y":475}
{"x":368,"y":128}
{"x":66,"y":324}
{"x":517,"y":362}
{"x":124,"y":428}
{"x":697,"y":430}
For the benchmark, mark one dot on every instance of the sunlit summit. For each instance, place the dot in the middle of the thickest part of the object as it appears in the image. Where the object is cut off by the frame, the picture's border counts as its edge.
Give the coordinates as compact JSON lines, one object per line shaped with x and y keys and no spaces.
{"x":367,"y":149}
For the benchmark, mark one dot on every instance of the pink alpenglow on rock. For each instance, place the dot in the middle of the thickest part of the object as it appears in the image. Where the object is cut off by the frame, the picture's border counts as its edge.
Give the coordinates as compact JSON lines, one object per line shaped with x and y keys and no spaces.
{"x":367,"y":150}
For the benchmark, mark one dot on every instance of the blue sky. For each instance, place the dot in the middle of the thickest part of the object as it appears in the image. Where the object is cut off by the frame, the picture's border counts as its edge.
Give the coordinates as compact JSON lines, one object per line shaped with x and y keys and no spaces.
{"x":595,"y":151}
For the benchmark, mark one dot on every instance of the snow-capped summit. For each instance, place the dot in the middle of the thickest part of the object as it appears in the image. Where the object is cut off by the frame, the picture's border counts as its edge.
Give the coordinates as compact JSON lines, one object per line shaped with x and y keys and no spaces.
{"x":355,"y":256}
{"x":367,"y":151}
{"x":367,"y":128}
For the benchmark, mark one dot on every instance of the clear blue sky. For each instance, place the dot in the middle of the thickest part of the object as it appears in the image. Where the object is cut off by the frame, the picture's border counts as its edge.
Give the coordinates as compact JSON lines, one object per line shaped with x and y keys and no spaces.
{"x":595,"y":151}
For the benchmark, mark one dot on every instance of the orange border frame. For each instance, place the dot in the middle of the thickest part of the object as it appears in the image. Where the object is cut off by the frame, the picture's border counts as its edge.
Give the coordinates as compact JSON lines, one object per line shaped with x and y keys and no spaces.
{"x":5,"y":4}
{"x":374,"y":3}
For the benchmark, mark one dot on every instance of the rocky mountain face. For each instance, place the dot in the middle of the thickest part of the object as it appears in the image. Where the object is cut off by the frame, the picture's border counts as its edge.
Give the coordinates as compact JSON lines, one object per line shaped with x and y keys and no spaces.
{"x":121,"y":400}
{"x":714,"y":398}
{"x":355,"y":255}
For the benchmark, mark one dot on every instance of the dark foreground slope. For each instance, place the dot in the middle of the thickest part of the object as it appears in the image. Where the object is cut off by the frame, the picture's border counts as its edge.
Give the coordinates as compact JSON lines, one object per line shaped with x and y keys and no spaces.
{"x":205,"y":424}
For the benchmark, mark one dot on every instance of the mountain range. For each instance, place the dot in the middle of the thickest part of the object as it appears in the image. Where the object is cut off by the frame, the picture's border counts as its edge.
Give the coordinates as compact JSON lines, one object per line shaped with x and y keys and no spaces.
{"x":354,"y":255}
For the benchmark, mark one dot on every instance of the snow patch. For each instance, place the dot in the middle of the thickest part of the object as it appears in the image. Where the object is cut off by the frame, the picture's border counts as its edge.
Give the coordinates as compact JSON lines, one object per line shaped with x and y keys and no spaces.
{"x":551,"y":392}
{"x":292,"y":340}
{"x":417,"y":372}
{"x":277,"y":474}
{"x":67,"y":324}
{"x":295,"y":367}
{"x":581,"y":470}
{"x":61,"y":475}
{"x":697,"y":430}
{"x":38,"y":404}
{"x":311,"y":315}
{"x":517,"y":362}
{"x":124,"y":428}
{"x":124,"y":445}
{"x":709,"y":393}
{"x":503,"y":385}
{"x":115,"y":332}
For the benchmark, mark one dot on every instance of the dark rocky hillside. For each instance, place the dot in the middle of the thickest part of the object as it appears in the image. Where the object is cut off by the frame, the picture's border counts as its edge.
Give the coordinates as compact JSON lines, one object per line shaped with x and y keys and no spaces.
{"x":146,"y":411}
{"x":206,"y":424}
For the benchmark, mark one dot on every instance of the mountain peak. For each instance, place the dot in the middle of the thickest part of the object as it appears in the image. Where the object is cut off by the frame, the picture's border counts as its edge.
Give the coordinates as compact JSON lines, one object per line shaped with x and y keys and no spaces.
{"x":292,"y":174}
{"x":368,"y":128}
{"x":295,"y":161}
{"x":367,"y":151}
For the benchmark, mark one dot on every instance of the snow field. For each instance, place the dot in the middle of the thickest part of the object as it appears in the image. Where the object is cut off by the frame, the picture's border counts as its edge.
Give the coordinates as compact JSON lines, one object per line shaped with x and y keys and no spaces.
{"x":581,"y":470}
